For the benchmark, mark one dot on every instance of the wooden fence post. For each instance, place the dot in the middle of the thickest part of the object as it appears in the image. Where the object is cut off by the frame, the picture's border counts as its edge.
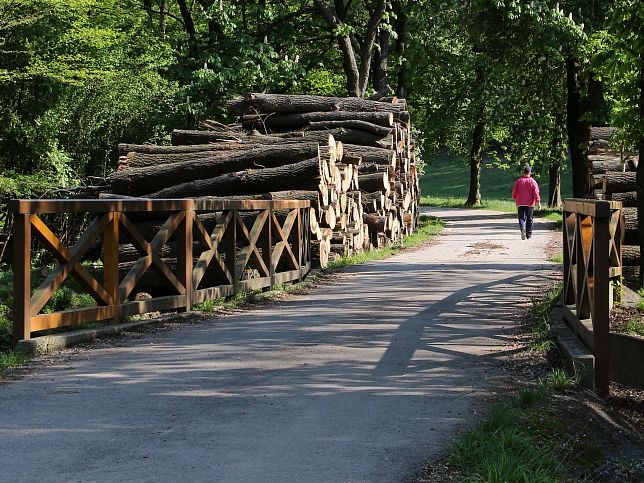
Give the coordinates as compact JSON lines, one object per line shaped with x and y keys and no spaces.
{"x":111,"y":264}
{"x":184,"y":255}
{"x":21,"y":278}
{"x":601,"y":308}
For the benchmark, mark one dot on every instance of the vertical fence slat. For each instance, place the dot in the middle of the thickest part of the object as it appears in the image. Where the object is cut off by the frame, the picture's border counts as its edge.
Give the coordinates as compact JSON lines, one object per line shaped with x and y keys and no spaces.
{"x":21,"y":278}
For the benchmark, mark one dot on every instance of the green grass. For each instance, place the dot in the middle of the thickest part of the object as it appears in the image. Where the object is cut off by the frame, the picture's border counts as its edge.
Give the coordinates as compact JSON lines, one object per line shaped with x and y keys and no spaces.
{"x":446,"y":183}
{"x":503,"y":449}
{"x":558,"y":258}
{"x":538,"y":315}
{"x":13,"y":358}
{"x":634,"y":327}
{"x":449,"y":177}
{"x":429,"y":226}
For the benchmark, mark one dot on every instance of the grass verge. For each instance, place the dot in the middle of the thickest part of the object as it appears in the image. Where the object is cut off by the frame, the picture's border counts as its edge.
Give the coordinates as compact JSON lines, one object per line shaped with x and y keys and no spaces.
{"x":429,"y":227}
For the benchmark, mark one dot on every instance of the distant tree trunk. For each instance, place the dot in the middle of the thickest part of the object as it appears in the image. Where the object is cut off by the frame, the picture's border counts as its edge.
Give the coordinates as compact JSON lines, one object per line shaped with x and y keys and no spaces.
{"x":400,"y":28}
{"x":163,"y":17}
{"x":578,"y":131}
{"x":554,"y":188}
{"x":381,"y":60}
{"x":476,"y":156}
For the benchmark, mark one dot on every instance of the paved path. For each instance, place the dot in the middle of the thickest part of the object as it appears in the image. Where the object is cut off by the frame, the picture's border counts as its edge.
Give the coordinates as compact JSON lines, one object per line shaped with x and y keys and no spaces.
{"x":360,"y":380}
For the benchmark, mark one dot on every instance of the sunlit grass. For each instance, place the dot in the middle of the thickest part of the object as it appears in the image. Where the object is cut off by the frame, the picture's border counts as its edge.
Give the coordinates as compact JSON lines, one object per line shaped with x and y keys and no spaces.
{"x":429,"y":226}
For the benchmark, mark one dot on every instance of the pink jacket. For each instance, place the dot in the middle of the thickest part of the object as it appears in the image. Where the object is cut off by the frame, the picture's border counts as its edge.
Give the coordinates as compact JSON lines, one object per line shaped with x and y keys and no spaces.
{"x":526,"y":191}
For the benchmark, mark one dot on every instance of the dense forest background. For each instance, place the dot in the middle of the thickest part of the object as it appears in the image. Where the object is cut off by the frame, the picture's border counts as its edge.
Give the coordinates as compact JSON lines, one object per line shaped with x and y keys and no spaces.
{"x":518,"y":81}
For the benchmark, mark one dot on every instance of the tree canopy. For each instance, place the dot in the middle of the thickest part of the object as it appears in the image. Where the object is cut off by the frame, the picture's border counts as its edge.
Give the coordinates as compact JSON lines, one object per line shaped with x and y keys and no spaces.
{"x":518,"y":81}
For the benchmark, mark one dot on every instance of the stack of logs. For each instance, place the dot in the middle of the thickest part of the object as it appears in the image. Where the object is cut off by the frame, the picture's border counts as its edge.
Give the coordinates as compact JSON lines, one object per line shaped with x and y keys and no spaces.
{"x":613,"y":179}
{"x":352,"y":158}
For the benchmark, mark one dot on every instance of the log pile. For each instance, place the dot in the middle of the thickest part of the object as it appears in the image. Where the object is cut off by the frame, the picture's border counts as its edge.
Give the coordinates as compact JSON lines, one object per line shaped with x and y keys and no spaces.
{"x":613,"y":179}
{"x":352,"y":158}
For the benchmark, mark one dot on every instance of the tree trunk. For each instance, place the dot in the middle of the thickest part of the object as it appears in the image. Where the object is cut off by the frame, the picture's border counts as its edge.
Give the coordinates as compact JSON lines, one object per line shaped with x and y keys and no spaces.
{"x":554,"y":187}
{"x":381,"y":60}
{"x":139,"y":181}
{"x":304,"y":175}
{"x":578,"y":131}
{"x":476,"y":156}
{"x":401,"y":29}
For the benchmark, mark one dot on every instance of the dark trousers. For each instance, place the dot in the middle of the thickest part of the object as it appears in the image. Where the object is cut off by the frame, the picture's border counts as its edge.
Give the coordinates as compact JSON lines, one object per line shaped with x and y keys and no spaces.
{"x":526,"y":219}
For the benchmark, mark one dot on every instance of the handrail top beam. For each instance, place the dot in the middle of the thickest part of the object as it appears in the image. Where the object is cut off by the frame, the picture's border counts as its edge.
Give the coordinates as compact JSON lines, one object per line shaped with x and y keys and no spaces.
{"x":24,"y":206}
{"x":594,"y":208}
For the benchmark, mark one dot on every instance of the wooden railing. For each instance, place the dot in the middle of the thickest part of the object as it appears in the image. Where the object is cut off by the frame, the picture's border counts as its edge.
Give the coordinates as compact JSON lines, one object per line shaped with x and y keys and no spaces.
{"x":275,"y":248}
{"x":592,"y":249}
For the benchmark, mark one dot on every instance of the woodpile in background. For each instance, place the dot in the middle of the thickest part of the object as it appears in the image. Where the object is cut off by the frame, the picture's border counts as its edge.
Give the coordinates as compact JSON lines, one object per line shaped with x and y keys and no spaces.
{"x":352,"y":158}
{"x":613,"y":179}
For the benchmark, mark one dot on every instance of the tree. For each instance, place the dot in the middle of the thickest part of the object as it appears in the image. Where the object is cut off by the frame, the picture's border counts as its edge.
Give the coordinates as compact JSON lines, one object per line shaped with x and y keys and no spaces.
{"x":622,"y":65}
{"x":355,"y":44}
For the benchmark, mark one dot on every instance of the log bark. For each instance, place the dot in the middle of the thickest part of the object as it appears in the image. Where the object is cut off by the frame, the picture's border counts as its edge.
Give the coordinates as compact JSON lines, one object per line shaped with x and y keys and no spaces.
{"x":601,"y":133}
{"x":141,"y":160}
{"x":282,"y":103}
{"x":297,"y":120}
{"x":350,"y":136}
{"x":618,"y":182}
{"x":374,"y":222}
{"x":374,"y":168}
{"x":182,"y":137}
{"x":371,"y":155}
{"x":124,"y":149}
{"x":380,"y":131}
{"x":304,"y":174}
{"x":631,"y":255}
{"x":602,"y":163}
{"x":320,"y":250}
{"x":374,"y":182}
{"x":140,"y":181}
{"x":628,"y":199}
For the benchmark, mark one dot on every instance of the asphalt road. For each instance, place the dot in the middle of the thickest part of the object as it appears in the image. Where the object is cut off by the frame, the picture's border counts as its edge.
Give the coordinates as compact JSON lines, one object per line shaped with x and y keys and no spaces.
{"x":362,"y":379}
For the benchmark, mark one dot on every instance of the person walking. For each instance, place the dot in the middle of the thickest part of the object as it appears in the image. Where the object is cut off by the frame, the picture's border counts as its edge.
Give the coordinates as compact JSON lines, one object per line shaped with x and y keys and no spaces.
{"x":526,"y":193}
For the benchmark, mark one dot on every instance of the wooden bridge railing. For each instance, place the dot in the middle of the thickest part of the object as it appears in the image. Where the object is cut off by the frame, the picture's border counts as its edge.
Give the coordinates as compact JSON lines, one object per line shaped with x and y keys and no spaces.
{"x":592,"y":248}
{"x":275,"y":248}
